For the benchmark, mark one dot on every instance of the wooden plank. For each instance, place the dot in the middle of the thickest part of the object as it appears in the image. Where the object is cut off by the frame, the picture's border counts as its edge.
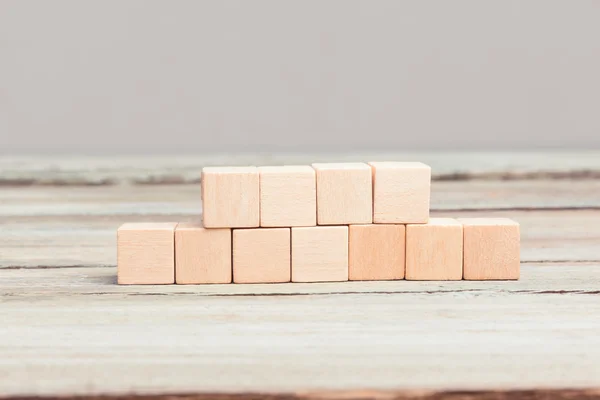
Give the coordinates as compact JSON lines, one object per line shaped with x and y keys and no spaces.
{"x":68,"y":330}
{"x":486,"y":195}
{"x":185,"y":199}
{"x":91,"y":240}
{"x":73,"y":331}
{"x":489,"y":394}
{"x":159,"y":169}
{"x":70,"y":282}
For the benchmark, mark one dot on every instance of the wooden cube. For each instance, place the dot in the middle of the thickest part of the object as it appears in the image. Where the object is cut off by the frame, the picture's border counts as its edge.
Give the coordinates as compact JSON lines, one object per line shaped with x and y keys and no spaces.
{"x":288,"y":196}
{"x":434,"y":251}
{"x":401,"y":192}
{"x":202,"y":255}
{"x":492,"y":249}
{"x":261,"y":255}
{"x":344,"y":194}
{"x":146,"y":253}
{"x":376,"y":252}
{"x":320,"y":254}
{"x":230,"y":197}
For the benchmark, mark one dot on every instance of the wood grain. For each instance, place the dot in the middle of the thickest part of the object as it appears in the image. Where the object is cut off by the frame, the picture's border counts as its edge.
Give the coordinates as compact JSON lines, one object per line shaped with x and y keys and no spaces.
{"x":320,"y":254}
{"x":202,"y":255}
{"x":344,"y":193}
{"x":288,"y":196}
{"x":68,"y":329}
{"x":376,"y":252}
{"x":401,"y":192}
{"x":164,"y":169}
{"x":146,"y":253}
{"x":70,"y":240}
{"x":261,"y":255}
{"x":79,"y":333}
{"x":230,"y":197}
{"x":493,"y":394}
{"x":124,"y":200}
{"x":434,"y":251}
{"x":491,"y":248}
{"x":56,"y":283}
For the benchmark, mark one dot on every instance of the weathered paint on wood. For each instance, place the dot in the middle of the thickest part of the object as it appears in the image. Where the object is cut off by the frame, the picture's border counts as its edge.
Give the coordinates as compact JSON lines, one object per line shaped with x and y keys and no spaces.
{"x":174,"y":200}
{"x":62,"y":283}
{"x":85,"y":335}
{"x":490,"y":394}
{"x":160,"y":169}
{"x":91,"y":240}
{"x":66,"y":328}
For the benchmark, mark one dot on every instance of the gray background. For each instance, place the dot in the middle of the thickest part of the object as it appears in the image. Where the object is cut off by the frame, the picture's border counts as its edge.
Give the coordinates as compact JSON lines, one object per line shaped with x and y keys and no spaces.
{"x":193,"y":76}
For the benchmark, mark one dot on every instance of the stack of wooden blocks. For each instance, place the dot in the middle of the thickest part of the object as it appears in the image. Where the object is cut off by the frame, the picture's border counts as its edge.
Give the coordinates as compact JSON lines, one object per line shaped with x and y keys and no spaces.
{"x":319,"y":223}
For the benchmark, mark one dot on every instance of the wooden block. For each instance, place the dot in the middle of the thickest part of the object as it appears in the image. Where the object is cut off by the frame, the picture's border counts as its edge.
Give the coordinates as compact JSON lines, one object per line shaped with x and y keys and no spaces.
{"x":320,"y":254}
{"x":202,"y":255}
{"x":434,"y":251}
{"x":288,"y":196}
{"x":401,"y":192}
{"x":146,"y":253}
{"x":376,"y":252}
{"x":344,"y":194}
{"x":492,"y":249}
{"x":261,"y":255}
{"x":230,"y":197}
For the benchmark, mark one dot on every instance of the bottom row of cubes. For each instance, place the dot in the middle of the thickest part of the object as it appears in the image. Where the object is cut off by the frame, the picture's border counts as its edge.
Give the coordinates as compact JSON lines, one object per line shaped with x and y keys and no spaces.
{"x":443,"y":249}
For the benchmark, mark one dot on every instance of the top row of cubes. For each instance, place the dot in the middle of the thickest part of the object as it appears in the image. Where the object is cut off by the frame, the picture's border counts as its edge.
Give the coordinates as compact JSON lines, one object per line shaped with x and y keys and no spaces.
{"x":324,"y":194}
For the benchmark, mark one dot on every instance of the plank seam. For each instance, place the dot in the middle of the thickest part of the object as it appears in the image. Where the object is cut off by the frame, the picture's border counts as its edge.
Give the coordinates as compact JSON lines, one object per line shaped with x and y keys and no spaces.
{"x":498,"y":394}
{"x":35,"y":267}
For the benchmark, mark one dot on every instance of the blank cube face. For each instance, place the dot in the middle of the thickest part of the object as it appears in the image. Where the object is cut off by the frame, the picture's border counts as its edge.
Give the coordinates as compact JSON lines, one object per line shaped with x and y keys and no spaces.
{"x":288,"y":196}
{"x":376,"y":252}
{"x":492,"y":248}
{"x":202,"y":255}
{"x":434,"y":251}
{"x":401,"y":192}
{"x":320,"y":254}
{"x":261,"y":255}
{"x":230,"y":197}
{"x":344,"y":194}
{"x":146,"y":254}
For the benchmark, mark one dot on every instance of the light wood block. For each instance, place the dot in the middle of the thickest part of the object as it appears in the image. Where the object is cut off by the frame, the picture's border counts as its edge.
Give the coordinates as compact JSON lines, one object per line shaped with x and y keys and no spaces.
{"x":376,"y":252}
{"x":202,"y":255}
{"x":434,"y":251}
{"x":230,"y":197}
{"x":401,"y":192}
{"x":261,"y":255}
{"x":146,"y":253}
{"x":320,"y":254}
{"x":492,"y":248}
{"x":288,"y":196}
{"x":344,"y":194}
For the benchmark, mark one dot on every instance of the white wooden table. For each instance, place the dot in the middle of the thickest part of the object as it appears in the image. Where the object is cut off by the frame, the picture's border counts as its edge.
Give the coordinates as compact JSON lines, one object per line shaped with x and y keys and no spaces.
{"x":67,"y":329}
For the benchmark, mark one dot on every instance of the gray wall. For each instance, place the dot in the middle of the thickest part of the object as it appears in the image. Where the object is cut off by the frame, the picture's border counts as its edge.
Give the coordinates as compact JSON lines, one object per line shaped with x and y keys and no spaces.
{"x":152,"y":76}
